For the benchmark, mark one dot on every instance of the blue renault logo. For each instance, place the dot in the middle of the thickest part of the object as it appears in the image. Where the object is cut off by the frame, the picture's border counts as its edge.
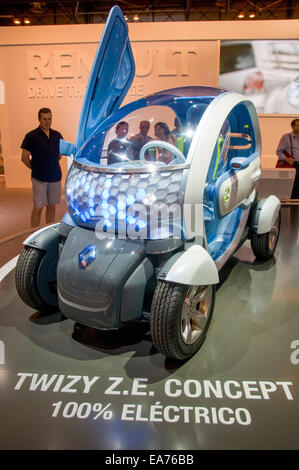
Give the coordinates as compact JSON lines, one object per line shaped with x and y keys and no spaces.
{"x":87,"y":256}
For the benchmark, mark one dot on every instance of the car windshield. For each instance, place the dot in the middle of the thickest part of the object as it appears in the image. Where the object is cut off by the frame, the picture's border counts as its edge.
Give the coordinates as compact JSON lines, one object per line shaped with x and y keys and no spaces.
{"x":156,"y":130}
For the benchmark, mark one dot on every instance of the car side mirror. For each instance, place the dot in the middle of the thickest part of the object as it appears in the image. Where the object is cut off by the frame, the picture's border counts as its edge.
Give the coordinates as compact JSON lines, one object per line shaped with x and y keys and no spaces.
{"x":67,"y":148}
{"x":239,"y":163}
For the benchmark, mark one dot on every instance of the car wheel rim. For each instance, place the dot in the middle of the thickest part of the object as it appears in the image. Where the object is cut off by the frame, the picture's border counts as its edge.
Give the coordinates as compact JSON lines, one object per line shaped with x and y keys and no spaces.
{"x":195,"y":313}
{"x":274,"y":235}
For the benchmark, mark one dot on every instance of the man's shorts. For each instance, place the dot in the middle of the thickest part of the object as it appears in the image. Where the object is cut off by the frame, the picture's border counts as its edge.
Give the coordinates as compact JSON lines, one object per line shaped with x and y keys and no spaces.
{"x":45,"y":194}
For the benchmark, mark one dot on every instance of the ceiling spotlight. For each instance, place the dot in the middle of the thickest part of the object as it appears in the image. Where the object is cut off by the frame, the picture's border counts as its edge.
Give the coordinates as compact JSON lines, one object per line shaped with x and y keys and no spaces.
{"x":17,"y":21}
{"x":251,"y":14}
{"x":136,"y":17}
{"x":27,"y":21}
{"x":126,"y":18}
{"x":241,"y":14}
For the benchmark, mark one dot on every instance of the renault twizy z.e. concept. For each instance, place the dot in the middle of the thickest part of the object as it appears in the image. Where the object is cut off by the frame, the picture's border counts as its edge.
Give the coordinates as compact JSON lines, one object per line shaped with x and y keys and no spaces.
{"x":153,"y":214}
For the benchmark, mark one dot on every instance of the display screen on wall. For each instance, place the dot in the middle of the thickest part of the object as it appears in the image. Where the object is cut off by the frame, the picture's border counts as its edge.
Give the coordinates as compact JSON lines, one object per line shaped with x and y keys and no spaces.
{"x":267,"y":71}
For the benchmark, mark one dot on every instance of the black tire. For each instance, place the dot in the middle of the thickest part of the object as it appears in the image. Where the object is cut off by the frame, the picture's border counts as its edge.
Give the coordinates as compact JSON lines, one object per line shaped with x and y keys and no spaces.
{"x":26,"y":280}
{"x":173,"y":333}
{"x":263,"y":245}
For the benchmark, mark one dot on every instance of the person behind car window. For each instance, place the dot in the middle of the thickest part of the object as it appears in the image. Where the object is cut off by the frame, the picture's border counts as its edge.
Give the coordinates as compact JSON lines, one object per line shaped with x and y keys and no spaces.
{"x":177,"y":128}
{"x":163,"y":133}
{"x":288,"y":152}
{"x":179,"y":134}
{"x":138,"y":140}
{"x":120,"y":149}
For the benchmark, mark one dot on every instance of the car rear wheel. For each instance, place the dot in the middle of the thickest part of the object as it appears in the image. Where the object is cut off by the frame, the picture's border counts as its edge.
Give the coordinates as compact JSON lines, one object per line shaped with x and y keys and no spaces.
{"x":26,"y":278}
{"x":264,"y":244}
{"x":180,"y":318}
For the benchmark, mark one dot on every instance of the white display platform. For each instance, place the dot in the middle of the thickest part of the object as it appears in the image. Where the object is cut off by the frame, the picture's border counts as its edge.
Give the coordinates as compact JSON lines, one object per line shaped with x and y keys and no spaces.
{"x":277,"y":181}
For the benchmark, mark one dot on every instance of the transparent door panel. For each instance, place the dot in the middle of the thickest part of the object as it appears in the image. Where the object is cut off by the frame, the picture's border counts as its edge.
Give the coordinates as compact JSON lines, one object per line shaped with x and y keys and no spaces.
{"x":120,"y":145}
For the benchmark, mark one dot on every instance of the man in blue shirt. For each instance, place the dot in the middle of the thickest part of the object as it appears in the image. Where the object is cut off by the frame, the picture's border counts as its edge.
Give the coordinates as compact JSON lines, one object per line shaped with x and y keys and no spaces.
{"x":40,"y":153}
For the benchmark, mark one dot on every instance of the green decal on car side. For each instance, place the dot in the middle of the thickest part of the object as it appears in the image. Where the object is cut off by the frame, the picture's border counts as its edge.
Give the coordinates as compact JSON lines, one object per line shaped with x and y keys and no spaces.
{"x":226,"y":195}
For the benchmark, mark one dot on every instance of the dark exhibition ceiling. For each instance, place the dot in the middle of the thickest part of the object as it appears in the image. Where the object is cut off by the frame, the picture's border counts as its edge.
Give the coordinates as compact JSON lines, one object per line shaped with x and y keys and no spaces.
{"x":14,"y":13}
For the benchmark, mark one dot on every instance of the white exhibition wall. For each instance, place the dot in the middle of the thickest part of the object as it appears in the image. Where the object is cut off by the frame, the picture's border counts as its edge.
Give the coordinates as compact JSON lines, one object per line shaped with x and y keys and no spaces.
{"x":49,"y":66}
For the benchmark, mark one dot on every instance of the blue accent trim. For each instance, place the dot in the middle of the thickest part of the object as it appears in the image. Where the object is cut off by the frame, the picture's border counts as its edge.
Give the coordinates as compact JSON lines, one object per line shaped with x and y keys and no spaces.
{"x":66,"y":148}
{"x":239,"y":163}
{"x":220,"y":233}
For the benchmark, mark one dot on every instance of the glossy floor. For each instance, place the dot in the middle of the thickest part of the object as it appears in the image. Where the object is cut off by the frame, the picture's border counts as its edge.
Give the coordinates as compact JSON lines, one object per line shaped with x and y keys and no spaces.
{"x":66,"y":388}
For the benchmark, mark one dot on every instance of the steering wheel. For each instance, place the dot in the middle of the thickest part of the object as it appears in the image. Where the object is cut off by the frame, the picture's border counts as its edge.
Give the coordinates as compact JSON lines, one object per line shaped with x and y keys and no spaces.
{"x":164,"y":145}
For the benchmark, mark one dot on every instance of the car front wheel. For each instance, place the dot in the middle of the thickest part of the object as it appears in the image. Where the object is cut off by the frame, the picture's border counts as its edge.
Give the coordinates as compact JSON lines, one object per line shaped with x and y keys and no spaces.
{"x":26,"y":278}
{"x":180,"y":318}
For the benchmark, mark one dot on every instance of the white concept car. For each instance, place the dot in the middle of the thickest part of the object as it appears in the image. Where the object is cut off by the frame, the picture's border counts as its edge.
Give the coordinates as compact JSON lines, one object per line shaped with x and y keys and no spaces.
{"x":153,"y":213}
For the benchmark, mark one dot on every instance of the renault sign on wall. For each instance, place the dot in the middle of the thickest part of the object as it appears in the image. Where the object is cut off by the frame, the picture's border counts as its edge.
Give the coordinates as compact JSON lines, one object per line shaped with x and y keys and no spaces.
{"x":55,"y":76}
